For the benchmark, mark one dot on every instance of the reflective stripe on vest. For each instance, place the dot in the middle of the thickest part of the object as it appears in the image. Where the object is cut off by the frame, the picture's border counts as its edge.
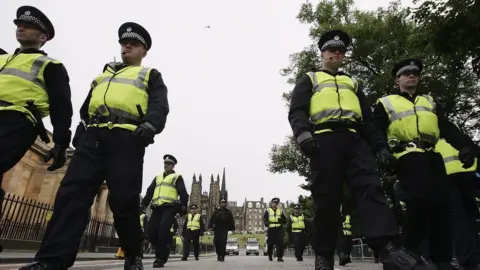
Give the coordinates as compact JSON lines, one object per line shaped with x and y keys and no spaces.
{"x":411,"y":121}
{"x":273,"y":218}
{"x":22,"y":80}
{"x":347,"y":226}
{"x":172,"y":229}
{"x":334,"y":98}
{"x":165,"y":190}
{"x":142,"y":216}
{"x":193,"y":224}
{"x":450,"y":158}
{"x":117,"y":93}
{"x":298,"y":223}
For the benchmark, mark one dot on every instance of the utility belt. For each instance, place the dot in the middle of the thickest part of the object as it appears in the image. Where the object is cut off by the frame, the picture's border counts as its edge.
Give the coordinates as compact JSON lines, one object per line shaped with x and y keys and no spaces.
{"x":338,"y":125}
{"x":400,"y":146}
{"x":39,"y":127}
{"x":105,"y":119}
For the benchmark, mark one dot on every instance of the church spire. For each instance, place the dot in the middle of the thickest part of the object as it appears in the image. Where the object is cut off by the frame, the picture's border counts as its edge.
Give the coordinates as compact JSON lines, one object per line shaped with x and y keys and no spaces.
{"x":224,"y":185}
{"x":194,"y":178}
{"x":211,"y":179}
{"x":200,"y":179}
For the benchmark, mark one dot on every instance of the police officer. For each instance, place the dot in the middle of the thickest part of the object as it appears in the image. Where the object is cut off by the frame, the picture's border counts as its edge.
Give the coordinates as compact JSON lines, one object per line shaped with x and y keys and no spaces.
{"x":345,"y":242}
{"x":274,"y":219}
{"x":221,"y":222}
{"x":329,"y":116}
{"x":126,"y":106}
{"x":463,"y":206}
{"x":33,"y":86}
{"x":163,"y":197}
{"x":296,"y":225}
{"x":193,"y":229}
{"x":413,"y":123}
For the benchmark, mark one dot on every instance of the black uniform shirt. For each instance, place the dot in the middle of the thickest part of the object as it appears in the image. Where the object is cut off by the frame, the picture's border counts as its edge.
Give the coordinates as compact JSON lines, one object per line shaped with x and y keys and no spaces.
{"x":222,"y":217}
{"x":179,"y":185}
{"x":448,"y":131}
{"x":57,"y":85}
{"x":299,"y":113}
{"x":158,"y":107}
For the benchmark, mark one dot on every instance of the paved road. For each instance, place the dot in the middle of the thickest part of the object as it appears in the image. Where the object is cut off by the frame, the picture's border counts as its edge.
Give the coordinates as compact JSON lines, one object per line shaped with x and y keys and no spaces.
{"x":231,"y":263}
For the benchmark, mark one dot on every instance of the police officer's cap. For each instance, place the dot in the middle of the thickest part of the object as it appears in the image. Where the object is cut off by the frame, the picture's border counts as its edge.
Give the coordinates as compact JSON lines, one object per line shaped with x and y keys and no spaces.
{"x":2,"y":51}
{"x":169,"y":159}
{"x":407,"y":65}
{"x":32,"y":15}
{"x":193,"y":206}
{"x":297,"y":206}
{"x":131,"y":30}
{"x":334,"y":39}
{"x":275,"y":200}
{"x":222,"y":200}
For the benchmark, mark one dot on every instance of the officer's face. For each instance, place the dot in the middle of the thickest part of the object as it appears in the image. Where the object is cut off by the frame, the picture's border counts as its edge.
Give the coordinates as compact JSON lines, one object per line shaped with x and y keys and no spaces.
{"x":333,"y":57}
{"x":408,"y":80}
{"x":29,"y":34}
{"x":223,"y":204}
{"x":296,"y":211}
{"x":194,"y":211}
{"x":274,"y":205}
{"x":132,"y":50}
{"x":168,"y":166}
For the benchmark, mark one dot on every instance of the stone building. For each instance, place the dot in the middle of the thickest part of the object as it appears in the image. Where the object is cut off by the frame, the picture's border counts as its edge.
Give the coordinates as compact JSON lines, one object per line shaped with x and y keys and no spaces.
{"x":31,"y":180}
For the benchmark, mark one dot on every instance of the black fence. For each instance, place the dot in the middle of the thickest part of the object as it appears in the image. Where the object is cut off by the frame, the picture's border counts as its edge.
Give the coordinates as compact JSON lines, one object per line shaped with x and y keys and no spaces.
{"x":26,"y":220}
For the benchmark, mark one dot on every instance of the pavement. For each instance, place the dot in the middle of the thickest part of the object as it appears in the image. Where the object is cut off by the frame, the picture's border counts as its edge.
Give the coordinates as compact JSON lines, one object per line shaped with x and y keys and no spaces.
{"x":209,"y":262}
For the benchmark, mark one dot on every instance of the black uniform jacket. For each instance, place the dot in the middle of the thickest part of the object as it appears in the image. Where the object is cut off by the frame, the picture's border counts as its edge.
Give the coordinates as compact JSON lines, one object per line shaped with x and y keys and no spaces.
{"x":300,"y":105}
{"x":448,"y":131}
{"x":158,"y":108}
{"x":222,"y":219}
{"x":57,"y":84}
{"x":179,"y":185}
{"x":282,"y":219}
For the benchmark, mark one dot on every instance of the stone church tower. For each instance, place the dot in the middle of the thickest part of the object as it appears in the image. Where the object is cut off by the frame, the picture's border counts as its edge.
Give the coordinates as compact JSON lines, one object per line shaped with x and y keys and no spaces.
{"x":196,"y":192}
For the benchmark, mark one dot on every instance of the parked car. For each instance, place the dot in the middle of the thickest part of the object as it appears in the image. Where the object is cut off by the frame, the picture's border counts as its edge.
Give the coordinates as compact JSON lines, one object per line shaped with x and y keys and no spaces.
{"x":253,"y":247}
{"x":232,"y":246}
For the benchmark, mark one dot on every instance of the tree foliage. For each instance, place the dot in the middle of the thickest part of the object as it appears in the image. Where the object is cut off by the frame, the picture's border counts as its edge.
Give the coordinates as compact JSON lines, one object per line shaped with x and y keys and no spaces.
{"x":441,"y":34}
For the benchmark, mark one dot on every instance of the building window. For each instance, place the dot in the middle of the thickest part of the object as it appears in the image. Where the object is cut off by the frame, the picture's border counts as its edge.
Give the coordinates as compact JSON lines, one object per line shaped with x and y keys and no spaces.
{"x":249,"y":216}
{"x":250,"y":223}
{"x":258,"y":205}
{"x":204,"y":212}
{"x":256,"y":211}
{"x":249,"y":210}
{"x":250,"y":205}
{"x":238,"y":214}
{"x":237,"y":222}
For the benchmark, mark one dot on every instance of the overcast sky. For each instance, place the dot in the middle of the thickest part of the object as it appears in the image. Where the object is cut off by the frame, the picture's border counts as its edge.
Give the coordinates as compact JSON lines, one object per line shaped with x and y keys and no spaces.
{"x":224,"y":84}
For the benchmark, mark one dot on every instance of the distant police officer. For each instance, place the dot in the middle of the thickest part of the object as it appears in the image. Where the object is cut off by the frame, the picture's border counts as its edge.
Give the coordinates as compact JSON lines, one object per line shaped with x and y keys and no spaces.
{"x":193,"y":229}
{"x":163,"y":197}
{"x":274,"y":219}
{"x":126,"y":106}
{"x":463,"y":206}
{"x":296,"y":225}
{"x":33,"y":86}
{"x":413,"y":123}
{"x":345,"y":242}
{"x":330,"y":117}
{"x":221,"y":222}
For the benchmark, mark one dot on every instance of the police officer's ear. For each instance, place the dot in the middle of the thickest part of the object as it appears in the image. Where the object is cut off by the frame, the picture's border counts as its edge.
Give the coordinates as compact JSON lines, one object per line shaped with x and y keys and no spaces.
{"x":43,"y":39}
{"x":144,"y":53}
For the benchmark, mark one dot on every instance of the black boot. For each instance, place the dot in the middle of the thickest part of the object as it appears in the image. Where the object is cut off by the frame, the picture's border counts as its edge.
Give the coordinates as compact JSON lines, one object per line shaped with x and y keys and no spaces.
{"x":133,"y":264}
{"x":184,"y":258}
{"x":218,"y":258}
{"x":222,"y":258}
{"x":342,"y":259}
{"x":322,"y":263}
{"x":37,"y":266}
{"x":158,"y":263}
{"x":196,"y":258}
{"x":280,"y":259}
{"x":444,"y":266}
{"x":397,"y":258}
{"x":270,"y":258}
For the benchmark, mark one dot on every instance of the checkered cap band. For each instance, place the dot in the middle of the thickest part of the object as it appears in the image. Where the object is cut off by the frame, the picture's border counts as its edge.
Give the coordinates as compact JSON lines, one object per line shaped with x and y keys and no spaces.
{"x":169,"y":160}
{"x":134,"y":36}
{"x":408,"y":68}
{"x":35,"y":21}
{"x":333,"y":43}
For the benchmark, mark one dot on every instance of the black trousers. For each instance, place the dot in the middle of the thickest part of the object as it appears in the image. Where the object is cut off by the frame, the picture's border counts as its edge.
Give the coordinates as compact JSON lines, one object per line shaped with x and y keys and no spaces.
{"x":423,"y":178}
{"x":345,"y":244}
{"x":464,"y":214}
{"x":220,"y":241}
{"x":298,"y":240}
{"x":159,"y":233}
{"x":275,"y":237}
{"x":346,"y":157}
{"x":101,"y":155}
{"x":191,"y":237}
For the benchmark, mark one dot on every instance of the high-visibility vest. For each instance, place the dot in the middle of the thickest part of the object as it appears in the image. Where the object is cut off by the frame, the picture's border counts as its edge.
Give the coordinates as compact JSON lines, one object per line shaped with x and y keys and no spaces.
{"x":142,"y":216}
{"x":450,"y":158}
{"x":334,"y":98}
{"x":117,"y":93}
{"x":346,"y":226}
{"x":21,"y":80}
{"x":298,"y":223}
{"x":403,"y":206}
{"x":193,"y":223}
{"x":411,"y":121}
{"x":165,"y":190}
{"x":274,"y":217}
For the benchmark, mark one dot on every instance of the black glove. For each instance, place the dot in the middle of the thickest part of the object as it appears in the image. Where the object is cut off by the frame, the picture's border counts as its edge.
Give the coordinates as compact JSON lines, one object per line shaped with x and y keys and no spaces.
{"x":309,"y":147}
{"x":59,"y":155}
{"x":143,"y":209}
{"x":467,"y":157}
{"x":145,"y":132}
{"x":183,"y":210}
{"x":78,"y":133}
{"x":386,"y":159}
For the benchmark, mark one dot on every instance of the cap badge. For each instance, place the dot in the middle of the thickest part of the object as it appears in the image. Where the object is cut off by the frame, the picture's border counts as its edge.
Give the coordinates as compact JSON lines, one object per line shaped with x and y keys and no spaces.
{"x":412,"y":63}
{"x":129,"y":29}
{"x":28,"y":13}
{"x":337,"y":38}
